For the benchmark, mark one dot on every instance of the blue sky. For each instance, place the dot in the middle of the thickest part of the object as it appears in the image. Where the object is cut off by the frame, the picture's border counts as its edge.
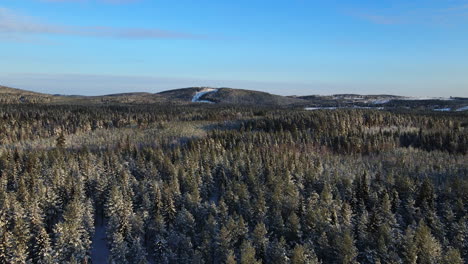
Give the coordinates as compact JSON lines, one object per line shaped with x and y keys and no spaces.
{"x":415,"y":48}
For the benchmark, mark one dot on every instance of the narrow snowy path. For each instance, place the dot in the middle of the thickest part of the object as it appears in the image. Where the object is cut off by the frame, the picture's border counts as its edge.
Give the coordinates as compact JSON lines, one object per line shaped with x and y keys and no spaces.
{"x":198,"y":95}
{"x":100,"y":251}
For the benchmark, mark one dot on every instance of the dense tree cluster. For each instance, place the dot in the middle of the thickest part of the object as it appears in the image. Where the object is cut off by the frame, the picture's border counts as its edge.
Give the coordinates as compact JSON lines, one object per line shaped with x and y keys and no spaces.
{"x":262,"y":186}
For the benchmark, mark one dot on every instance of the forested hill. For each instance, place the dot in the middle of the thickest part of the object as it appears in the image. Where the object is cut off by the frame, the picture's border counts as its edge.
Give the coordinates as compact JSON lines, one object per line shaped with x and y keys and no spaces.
{"x":238,"y":97}
{"x":14,"y":96}
{"x":214,"y":183}
{"x":177,"y":96}
{"x":7,"y":90}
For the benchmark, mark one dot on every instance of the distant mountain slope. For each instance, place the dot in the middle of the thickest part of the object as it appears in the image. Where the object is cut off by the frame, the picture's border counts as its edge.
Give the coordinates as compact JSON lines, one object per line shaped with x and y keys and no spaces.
{"x":248,"y":97}
{"x":9,"y":90}
{"x":183,"y":94}
{"x":339,"y":99}
{"x":127,"y":98}
{"x":229,"y":96}
{"x":10,"y":95}
{"x":17,"y":96}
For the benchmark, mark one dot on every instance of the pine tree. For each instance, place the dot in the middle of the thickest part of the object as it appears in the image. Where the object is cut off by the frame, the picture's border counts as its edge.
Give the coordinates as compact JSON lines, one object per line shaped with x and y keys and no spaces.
{"x":429,"y":249}
{"x":293,"y":228}
{"x":119,"y":249}
{"x":299,"y":255}
{"x":347,"y":251}
{"x":247,"y":253}
{"x":4,"y":239}
{"x":61,"y":141}
{"x":260,"y":239}
{"x":169,"y":210}
{"x":452,"y":256}
{"x":230,"y":259}
{"x":41,"y":249}
{"x":277,"y":252}
{"x":71,"y":236}
{"x":410,"y":250}
{"x":362,"y":189}
{"x":19,"y":243}
{"x":225,"y":242}
{"x":137,"y":253}
{"x":426,"y":194}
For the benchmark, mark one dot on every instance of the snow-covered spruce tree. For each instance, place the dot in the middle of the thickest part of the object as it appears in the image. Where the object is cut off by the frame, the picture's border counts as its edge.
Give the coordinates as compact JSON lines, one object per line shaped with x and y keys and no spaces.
{"x":40,"y":244}
{"x":72,"y":239}
{"x":428,"y":248}
{"x":247,"y":253}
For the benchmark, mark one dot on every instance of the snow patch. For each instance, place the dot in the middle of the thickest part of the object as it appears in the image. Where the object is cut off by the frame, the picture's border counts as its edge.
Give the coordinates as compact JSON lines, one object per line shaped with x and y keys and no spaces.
{"x":369,"y":107}
{"x":319,"y":108}
{"x":347,"y":98}
{"x":465,"y":108}
{"x":443,"y":109}
{"x":426,"y":98}
{"x":381,"y":101}
{"x":345,"y":107}
{"x":201,"y":93}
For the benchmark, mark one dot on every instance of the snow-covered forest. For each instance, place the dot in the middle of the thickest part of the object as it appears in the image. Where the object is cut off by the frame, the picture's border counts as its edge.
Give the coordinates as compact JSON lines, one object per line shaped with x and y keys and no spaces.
{"x":226,"y":184}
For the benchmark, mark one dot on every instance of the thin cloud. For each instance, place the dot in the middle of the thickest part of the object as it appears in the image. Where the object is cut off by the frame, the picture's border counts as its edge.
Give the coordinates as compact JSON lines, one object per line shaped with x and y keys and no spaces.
{"x":12,"y":24}
{"x":102,"y":1}
{"x":119,"y":1}
{"x":380,"y":19}
{"x":439,"y":14}
{"x":463,"y":7}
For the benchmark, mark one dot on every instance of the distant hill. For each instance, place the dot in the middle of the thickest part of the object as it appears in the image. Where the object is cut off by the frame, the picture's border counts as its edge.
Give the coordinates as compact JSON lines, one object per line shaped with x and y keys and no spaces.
{"x":183,"y":94}
{"x":10,"y":95}
{"x":229,"y":96}
{"x":249,"y":97}
{"x":7,"y":90}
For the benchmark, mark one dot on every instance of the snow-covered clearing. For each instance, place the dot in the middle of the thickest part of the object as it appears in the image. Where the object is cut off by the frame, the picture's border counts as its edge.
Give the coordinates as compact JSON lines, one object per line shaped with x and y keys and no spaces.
{"x":465,"y":108}
{"x":345,"y":107}
{"x":425,"y":98}
{"x":201,"y":93}
{"x":443,"y":110}
{"x":381,"y":101}
{"x":320,"y":108}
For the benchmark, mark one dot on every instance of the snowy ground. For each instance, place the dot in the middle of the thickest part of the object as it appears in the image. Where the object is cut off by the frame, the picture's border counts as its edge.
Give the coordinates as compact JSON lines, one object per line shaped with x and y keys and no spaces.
{"x":443,"y":109}
{"x":198,"y":95}
{"x":346,"y":107}
{"x":465,"y":108}
{"x":381,"y":101}
{"x":100,"y":251}
{"x":320,"y":108}
{"x":426,"y":98}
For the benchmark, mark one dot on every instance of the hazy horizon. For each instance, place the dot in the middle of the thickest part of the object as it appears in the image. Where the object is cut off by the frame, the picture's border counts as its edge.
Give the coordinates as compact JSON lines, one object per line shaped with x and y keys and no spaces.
{"x":85,"y":85}
{"x":89,"y":85}
{"x":95,"y":47}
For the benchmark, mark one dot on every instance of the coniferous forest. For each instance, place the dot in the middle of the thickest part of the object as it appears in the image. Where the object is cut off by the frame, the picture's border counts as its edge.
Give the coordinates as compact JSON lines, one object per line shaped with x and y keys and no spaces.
{"x":165,"y":183}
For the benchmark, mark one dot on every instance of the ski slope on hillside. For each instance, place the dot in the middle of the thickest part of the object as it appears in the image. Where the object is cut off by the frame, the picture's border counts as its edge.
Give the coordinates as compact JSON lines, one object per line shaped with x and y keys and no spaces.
{"x":201,"y":93}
